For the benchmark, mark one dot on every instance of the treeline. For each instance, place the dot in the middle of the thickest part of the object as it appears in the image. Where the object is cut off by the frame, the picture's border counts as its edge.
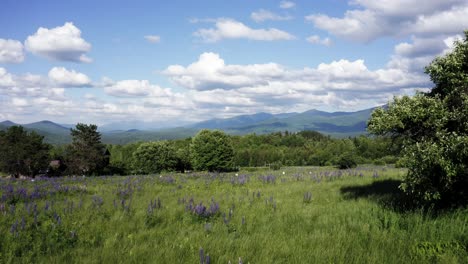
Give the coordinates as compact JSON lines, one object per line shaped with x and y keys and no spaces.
{"x":306,"y":148}
{"x":24,"y":153}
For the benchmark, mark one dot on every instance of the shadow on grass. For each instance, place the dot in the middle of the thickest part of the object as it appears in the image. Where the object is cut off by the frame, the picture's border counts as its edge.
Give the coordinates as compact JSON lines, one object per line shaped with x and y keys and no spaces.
{"x":385,"y":193}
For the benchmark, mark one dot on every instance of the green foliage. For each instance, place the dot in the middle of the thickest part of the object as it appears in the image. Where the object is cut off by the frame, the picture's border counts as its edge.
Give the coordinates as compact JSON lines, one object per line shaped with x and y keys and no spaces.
{"x":86,"y":155}
{"x":212,"y":151}
{"x":154,"y":157}
{"x":121,"y":158}
{"x":434,"y":130}
{"x":289,"y":149}
{"x":22,"y":153}
{"x":276,"y":165}
{"x":346,"y":161}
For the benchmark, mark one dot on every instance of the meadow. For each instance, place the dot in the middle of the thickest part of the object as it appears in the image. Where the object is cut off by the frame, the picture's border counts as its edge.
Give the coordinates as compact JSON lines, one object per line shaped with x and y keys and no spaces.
{"x":292,"y":215}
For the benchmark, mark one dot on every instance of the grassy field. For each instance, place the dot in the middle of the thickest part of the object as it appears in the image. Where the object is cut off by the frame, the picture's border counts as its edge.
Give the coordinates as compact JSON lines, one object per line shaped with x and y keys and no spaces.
{"x":294,"y":215}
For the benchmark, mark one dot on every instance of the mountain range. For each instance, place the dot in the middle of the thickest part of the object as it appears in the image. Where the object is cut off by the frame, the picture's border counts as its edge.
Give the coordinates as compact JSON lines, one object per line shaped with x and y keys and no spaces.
{"x":336,"y":124}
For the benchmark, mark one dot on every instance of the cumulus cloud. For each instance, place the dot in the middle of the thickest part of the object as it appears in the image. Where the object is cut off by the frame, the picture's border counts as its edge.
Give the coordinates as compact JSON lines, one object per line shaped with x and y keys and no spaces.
{"x":287,"y":4}
{"x":60,"y":43}
{"x":11,"y":51}
{"x":395,"y":18}
{"x":65,"y":78}
{"x":232,"y":29}
{"x":135,"y":88}
{"x":263,"y":15}
{"x":6,"y":79}
{"x":19,"y":102}
{"x":315,"y":39}
{"x":210,"y":72}
{"x":153,"y":38}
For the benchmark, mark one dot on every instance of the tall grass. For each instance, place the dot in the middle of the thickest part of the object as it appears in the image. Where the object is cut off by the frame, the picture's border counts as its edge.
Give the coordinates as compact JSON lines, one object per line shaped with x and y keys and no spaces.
{"x":299,"y":215}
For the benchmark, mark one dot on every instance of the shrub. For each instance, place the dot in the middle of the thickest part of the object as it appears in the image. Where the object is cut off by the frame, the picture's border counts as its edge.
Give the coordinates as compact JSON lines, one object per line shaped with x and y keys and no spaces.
{"x":276,"y":165}
{"x":346,"y":161}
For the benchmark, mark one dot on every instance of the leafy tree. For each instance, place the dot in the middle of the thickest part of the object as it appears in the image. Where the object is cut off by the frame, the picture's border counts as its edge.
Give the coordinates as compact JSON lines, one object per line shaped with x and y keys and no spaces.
{"x":346,"y":161}
{"x":434,"y":130}
{"x":87,"y":155}
{"x":22,"y":153}
{"x":212,"y":151}
{"x":154,"y":157}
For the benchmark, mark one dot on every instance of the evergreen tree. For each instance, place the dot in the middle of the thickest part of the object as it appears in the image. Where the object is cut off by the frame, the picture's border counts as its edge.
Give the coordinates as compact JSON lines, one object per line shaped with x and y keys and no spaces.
{"x":87,"y":155}
{"x":22,"y":153}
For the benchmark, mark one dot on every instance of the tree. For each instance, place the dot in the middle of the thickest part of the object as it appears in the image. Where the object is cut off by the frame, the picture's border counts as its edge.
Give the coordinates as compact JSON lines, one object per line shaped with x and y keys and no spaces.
{"x":212,"y":151}
{"x":22,"y":153}
{"x":87,"y":155}
{"x":434,"y":129}
{"x":154,"y":157}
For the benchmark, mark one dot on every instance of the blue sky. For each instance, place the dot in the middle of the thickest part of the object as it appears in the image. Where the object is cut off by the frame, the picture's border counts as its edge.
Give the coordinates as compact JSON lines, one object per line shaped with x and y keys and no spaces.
{"x":175,"y":62}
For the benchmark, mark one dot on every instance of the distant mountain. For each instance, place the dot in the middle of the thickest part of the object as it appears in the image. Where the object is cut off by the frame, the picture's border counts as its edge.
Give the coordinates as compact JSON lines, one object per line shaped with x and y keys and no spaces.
{"x":336,"y":124}
{"x":53,"y":133}
{"x":7,"y":123}
{"x":47,"y":126}
{"x":139,"y":125}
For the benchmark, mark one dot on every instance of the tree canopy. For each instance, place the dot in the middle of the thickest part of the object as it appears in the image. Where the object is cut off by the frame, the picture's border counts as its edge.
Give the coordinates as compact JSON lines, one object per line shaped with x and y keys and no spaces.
{"x":434,"y":129}
{"x":22,"y":153}
{"x":154,"y":157}
{"x":212,"y":151}
{"x":87,"y":155}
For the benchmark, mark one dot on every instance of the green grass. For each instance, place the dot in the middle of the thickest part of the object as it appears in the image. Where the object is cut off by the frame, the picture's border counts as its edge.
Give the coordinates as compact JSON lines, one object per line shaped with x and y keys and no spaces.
{"x":350,"y":219}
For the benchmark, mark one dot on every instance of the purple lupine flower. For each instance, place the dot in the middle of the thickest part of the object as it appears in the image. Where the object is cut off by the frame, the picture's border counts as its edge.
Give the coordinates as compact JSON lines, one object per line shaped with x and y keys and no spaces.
{"x":23,"y":223}
{"x":14,"y":228}
{"x":202,"y":256}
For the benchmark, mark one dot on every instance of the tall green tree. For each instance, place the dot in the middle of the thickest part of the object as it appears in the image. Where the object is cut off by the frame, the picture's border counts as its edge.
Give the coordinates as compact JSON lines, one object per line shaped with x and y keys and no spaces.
{"x":212,"y":151}
{"x":154,"y":157}
{"x":22,"y":153}
{"x":434,"y":130}
{"x":87,"y":155}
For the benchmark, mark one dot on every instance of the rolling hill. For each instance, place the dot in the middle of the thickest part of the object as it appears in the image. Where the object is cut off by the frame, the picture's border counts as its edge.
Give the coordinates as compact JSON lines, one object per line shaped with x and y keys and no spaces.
{"x":336,"y":124}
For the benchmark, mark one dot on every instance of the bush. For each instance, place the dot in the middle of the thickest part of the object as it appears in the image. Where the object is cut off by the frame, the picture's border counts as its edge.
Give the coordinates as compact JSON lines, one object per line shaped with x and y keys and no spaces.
{"x":276,"y":165}
{"x":154,"y":157}
{"x":346,"y":161}
{"x":212,"y":151}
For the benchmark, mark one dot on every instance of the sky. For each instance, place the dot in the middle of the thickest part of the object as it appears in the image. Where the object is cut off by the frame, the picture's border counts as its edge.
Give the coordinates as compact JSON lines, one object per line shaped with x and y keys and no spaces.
{"x":176,"y":62}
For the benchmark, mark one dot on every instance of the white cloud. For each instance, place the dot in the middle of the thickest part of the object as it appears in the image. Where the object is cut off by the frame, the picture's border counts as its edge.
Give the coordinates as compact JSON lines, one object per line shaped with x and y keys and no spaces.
{"x":451,"y":21}
{"x":395,"y":18}
{"x":232,"y":29}
{"x":358,"y":25}
{"x":19,"y":102}
{"x":210,"y":72}
{"x":315,"y":39}
{"x":65,"y":78}
{"x":263,"y":15}
{"x":132,"y":88}
{"x":11,"y":51}
{"x":287,"y":4}
{"x":415,"y":55}
{"x":406,"y":8}
{"x":6,"y":79}
{"x":153,"y":38}
{"x":61,"y":43}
